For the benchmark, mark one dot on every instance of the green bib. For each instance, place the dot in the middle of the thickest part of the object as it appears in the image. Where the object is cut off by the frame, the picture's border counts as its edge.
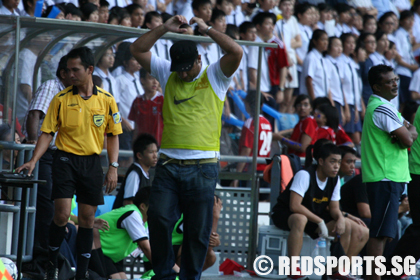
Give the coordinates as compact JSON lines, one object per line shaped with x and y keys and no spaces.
{"x":414,"y":157}
{"x":191,"y":115}
{"x":380,"y":157}
{"x":116,"y":242}
{"x":177,"y":233}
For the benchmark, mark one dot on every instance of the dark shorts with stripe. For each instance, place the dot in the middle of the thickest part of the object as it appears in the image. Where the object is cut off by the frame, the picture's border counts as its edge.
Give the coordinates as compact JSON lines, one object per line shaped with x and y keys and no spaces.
{"x":384,"y":197}
{"x":80,"y":175}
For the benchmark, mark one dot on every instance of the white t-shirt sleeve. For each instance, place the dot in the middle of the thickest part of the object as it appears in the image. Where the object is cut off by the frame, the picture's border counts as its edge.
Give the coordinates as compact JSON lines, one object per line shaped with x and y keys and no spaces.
{"x":385,"y":118}
{"x":336,"y":193}
{"x":301,"y":182}
{"x":219,"y":82}
{"x":134,"y":225}
{"x":131,"y":185}
{"x":161,"y":70}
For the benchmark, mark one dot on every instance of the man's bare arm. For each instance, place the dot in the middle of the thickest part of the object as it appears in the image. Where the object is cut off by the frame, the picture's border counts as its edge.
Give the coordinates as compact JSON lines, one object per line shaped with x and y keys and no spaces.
{"x":231,"y":60}
{"x":141,"y":47}
{"x":32,"y":125}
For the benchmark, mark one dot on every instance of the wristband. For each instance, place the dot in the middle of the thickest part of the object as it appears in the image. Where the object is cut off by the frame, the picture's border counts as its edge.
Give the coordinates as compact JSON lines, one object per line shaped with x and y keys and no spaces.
{"x":282,"y":89}
{"x":208,"y":29}
{"x":346,"y":215}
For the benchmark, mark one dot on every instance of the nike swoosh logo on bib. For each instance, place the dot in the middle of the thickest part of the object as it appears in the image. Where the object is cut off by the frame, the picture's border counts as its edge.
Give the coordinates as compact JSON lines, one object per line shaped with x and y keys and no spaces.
{"x":177,"y":102}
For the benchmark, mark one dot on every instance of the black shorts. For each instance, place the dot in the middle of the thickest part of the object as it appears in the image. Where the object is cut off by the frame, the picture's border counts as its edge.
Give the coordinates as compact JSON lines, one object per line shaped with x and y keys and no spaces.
{"x":384,"y":197}
{"x":112,"y":267}
{"x":82,"y":175}
{"x":281,"y":220}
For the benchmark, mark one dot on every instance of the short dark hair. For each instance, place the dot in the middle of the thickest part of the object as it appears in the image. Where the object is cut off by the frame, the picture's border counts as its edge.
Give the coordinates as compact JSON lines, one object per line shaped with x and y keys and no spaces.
{"x":302,"y":97}
{"x":87,"y":9}
{"x":261,"y":17}
{"x":62,"y":65}
{"x":385,"y":16}
{"x":25,"y":4}
{"x":216,"y":13}
{"x":196,"y":4}
{"x":406,"y":14}
{"x":70,"y":8}
{"x":366,"y":18}
{"x":243,"y":28}
{"x":326,"y":150}
{"x":132,"y":7}
{"x":324,"y":7}
{"x":143,"y":73}
{"x":220,"y":2}
{"x":342,"y":8}
{"x":302,"y":8}
{"x":312,"y":151}
{"x":232,"y":31}
{"x":345,"y":36}
{"x":320,"y":101}
{"x":85,"y":54}
{"x":347,"y":150}
{"x":142,"y":196}
{"x":166,"y":16}
{"x":375,"y":74}
{"x":330,"y":41}
{"x":141,"y":143}
{"x":103,"y":3}
{"x":149,"y":16}
{"x":331,"y":113}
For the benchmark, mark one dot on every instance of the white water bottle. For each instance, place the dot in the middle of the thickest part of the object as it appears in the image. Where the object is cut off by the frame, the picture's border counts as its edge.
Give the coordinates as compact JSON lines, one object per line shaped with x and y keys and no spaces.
{"x":322,"y":246}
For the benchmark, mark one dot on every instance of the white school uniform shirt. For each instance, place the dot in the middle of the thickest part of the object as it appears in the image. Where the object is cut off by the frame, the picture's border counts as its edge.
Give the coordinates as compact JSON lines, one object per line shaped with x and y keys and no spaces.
{"x":305,"y":35}
{"x":184,"y":8}
{"x":333,"y":68}
{"x":208,"y":54}
{"x":351,"y":81}
{"x":127,"y":91}
{"x":265,"y":84}
{"x":402,"y":4}
{"x":160,"y":69}
{"x":161,"y":48}
{"x":5,"y":11}
{"x":289,"y":29}
{"x":236,"y":17}
{"x":315,"y":67}
{"x":342,"y":28}
{"x":111,"y":88}
{"x":404,"y":48}
{"x":415,"y":82}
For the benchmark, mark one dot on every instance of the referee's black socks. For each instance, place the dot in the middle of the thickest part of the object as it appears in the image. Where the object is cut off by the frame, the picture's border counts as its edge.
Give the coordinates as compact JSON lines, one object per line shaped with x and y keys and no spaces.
{"x":83,"y":248}
{"x":56,"y":237}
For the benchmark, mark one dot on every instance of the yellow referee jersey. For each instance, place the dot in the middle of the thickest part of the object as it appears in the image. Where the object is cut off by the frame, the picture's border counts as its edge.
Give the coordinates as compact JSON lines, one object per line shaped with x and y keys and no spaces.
{"x":81,"y":124}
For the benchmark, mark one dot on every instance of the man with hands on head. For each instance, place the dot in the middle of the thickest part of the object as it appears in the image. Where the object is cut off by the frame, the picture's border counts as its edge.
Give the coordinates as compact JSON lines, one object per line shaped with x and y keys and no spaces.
{"x":187,"y":171}
{"x":81,"y":114}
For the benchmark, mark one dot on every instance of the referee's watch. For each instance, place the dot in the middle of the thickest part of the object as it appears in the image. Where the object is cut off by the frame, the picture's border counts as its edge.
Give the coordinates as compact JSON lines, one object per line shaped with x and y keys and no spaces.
{"x":114,"y":164}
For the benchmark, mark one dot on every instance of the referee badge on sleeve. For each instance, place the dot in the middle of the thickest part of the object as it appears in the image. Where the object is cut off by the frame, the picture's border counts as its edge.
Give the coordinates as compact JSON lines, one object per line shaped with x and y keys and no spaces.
{"x":117,"y":117}
{"x":98,"y":120}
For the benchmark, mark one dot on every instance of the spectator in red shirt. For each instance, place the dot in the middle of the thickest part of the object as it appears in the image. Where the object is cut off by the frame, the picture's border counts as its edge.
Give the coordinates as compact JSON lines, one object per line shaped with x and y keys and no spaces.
{"x":146,"y":111}
{"x":327,"y":119}
{"x":246,"y":142}
{"x":304,"y":133}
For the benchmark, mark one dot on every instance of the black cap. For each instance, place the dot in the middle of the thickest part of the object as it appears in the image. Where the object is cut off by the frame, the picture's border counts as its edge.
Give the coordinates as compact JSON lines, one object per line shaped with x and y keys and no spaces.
{"x":183,"y":55}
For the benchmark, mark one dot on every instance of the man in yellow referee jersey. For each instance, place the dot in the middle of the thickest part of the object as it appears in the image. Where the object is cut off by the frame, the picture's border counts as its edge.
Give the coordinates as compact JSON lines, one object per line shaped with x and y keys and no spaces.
{"x":81,"y":114}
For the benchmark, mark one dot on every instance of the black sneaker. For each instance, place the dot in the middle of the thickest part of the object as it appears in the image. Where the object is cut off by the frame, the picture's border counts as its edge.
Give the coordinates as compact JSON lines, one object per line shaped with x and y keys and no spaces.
{"x":51,"y":272}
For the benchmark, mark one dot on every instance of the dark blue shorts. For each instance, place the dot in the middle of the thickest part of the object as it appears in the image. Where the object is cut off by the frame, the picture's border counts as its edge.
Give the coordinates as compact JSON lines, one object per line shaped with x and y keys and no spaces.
{"x":404,"y":93}
{"x":384,"y":199}
{"x":352,"y":127}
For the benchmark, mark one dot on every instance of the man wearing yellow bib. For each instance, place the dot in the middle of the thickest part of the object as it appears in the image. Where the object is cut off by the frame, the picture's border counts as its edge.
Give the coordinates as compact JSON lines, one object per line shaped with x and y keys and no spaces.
{"x":187,"y":169}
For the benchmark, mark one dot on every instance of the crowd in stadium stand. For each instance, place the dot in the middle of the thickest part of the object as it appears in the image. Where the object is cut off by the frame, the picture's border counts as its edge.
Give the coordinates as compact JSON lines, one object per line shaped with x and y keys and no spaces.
{"x":314,"y":85}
